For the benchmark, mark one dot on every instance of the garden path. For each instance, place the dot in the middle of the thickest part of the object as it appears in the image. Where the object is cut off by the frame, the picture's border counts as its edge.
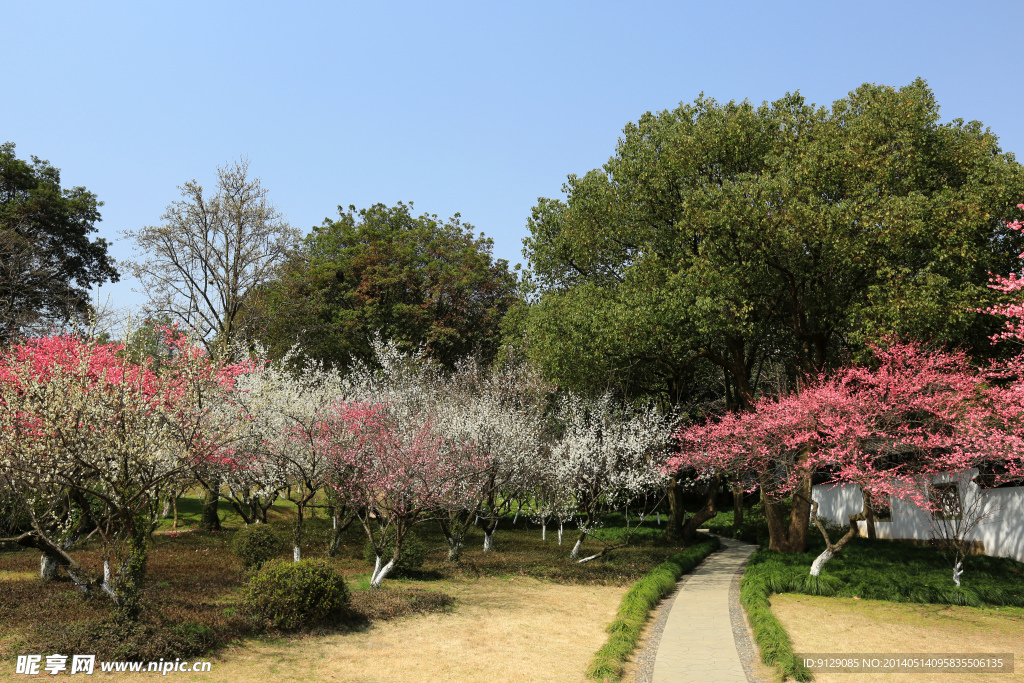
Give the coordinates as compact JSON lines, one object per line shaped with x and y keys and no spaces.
{"x":705,"y":637}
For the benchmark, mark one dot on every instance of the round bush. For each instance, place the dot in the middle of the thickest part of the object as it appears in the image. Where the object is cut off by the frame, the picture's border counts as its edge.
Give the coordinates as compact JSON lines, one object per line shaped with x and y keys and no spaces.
{"x":413,"y":553}
{"x":292,"y":595}
{"x":256,"y":544}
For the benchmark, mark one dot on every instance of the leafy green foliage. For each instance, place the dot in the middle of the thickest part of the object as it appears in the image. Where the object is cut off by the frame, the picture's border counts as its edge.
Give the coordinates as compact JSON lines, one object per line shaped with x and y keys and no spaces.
{"x":47,"y":261}
{"x":636,"y":605}
{"x":293,"y":595}
{"x":782,"y":236}
{"x":414,"y":551}
{"x":257,"y":544}
{"x":417,"y":280}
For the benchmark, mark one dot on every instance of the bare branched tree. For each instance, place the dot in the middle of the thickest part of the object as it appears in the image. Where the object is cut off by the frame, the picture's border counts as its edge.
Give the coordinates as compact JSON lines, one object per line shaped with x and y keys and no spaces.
{"x":958,"y":507}
{"x":210,"y":254}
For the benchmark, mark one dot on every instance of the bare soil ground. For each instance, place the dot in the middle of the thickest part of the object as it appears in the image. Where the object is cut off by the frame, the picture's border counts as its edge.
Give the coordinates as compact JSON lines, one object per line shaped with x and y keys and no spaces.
{"x":849,"y":625}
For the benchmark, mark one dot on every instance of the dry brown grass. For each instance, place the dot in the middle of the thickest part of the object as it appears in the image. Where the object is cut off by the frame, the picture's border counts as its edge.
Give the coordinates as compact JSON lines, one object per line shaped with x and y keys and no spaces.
{"x":501,"y":629}
{"x":849,"y":625}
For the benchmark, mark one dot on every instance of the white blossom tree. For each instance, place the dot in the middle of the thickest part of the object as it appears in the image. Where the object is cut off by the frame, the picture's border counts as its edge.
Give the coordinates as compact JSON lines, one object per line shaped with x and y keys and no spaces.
{"x":608,"y":457}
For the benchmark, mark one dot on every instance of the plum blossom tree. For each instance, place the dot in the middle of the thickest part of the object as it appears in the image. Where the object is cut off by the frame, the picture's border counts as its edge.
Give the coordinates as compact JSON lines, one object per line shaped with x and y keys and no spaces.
{"x":607,"y":458}
{"x":82,"y":423}
{"x":912,"y":416}
{"x":398,"y":471}
{"x":283,"y":410}
{"x":499,"y":413}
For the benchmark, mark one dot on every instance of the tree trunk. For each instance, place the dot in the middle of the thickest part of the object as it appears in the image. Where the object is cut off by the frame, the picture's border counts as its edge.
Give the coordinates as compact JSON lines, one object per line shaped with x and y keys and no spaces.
{"x":800,"y":518}
{"x":737,"y":505}
{"x":791,"y":539}
{"x":869,"y":515}
{"x":575,"y":554}
{"x":776,"y":526}
{"x":820,"y":561}
{"x":211,"y":516}
{"x":454,"y":549}
{"x":297,"y":534}
{"x":674,"y":528}
{"x":709,"y":510}
{"x":128,"y":584}
{"x":490,"y":526}
{"x":48,"y":568}
{"x":831,"y":549}
{"x":380,"y":571}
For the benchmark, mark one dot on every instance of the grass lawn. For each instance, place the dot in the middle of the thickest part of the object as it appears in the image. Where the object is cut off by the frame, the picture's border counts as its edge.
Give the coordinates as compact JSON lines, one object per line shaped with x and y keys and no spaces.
{"x":850,"y":625}
{"x":512,"y":614}
{"x":893,"y":571}
{"x":890,"y":571}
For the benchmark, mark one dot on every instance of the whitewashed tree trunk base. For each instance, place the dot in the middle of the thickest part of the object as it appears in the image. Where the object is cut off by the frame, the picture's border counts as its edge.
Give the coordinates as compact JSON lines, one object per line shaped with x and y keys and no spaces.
{"x":488,"y":542}
{"x":296,"y":553}
{"x":575,"y":554}
{"x":48,"y":569}
{"x":380,"y":572}
{"x":820,"y":561}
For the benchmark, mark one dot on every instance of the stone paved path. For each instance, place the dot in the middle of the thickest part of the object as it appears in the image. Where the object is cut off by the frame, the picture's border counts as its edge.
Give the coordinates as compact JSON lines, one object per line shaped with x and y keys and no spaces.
{"x":697,"y":643}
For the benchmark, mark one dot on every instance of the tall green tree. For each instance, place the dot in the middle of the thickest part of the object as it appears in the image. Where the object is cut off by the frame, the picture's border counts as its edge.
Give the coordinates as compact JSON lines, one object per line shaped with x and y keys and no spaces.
{"x":783,"y":235}
{"x":48,"y":262}
{"x":415,"y":279}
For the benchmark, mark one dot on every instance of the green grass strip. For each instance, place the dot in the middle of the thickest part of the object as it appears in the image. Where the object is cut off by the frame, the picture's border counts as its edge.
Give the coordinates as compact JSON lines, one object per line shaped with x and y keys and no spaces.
{"x":636,"y":605}
{"x":771,"y":638}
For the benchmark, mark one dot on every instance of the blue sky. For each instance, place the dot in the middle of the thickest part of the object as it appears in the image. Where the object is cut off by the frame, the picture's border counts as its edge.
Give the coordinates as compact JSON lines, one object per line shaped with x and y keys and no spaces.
{"x":471,"y":107}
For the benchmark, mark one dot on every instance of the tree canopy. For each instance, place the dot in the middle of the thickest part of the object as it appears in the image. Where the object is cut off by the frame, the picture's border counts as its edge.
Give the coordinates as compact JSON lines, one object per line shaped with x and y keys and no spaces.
{"x":786,"y":234}
{"x":47,"y":261}
{"x":414,"y":279}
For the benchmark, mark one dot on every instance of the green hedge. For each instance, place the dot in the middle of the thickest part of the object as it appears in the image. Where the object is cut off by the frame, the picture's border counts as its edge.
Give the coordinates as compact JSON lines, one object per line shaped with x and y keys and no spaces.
{"x":776,"y":648}
{"x":636,"y":605}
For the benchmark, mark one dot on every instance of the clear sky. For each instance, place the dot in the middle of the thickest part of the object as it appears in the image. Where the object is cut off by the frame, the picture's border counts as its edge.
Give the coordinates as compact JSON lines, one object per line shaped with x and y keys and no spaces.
{"x":476,"y":108}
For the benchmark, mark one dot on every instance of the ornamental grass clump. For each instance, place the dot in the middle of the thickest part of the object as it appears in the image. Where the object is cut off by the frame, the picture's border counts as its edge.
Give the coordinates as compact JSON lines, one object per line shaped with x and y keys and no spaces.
{"x":294,"y":595}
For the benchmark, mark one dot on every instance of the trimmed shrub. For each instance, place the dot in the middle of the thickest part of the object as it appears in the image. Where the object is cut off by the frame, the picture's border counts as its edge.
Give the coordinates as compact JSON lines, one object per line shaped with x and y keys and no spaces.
{"x":414,"y":551}
{"x":257,"y":544}
{"x":293,"y":595}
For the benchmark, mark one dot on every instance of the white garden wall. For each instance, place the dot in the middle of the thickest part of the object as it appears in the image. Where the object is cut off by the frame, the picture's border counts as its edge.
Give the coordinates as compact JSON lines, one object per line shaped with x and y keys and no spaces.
{"x":1001,"y":532}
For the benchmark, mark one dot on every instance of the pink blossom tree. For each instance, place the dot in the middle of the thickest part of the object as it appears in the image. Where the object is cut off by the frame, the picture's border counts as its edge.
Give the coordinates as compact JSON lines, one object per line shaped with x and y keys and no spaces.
{"x":911,"y":416}
{"x":80,"y":422}
{"x":397,"y":470}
